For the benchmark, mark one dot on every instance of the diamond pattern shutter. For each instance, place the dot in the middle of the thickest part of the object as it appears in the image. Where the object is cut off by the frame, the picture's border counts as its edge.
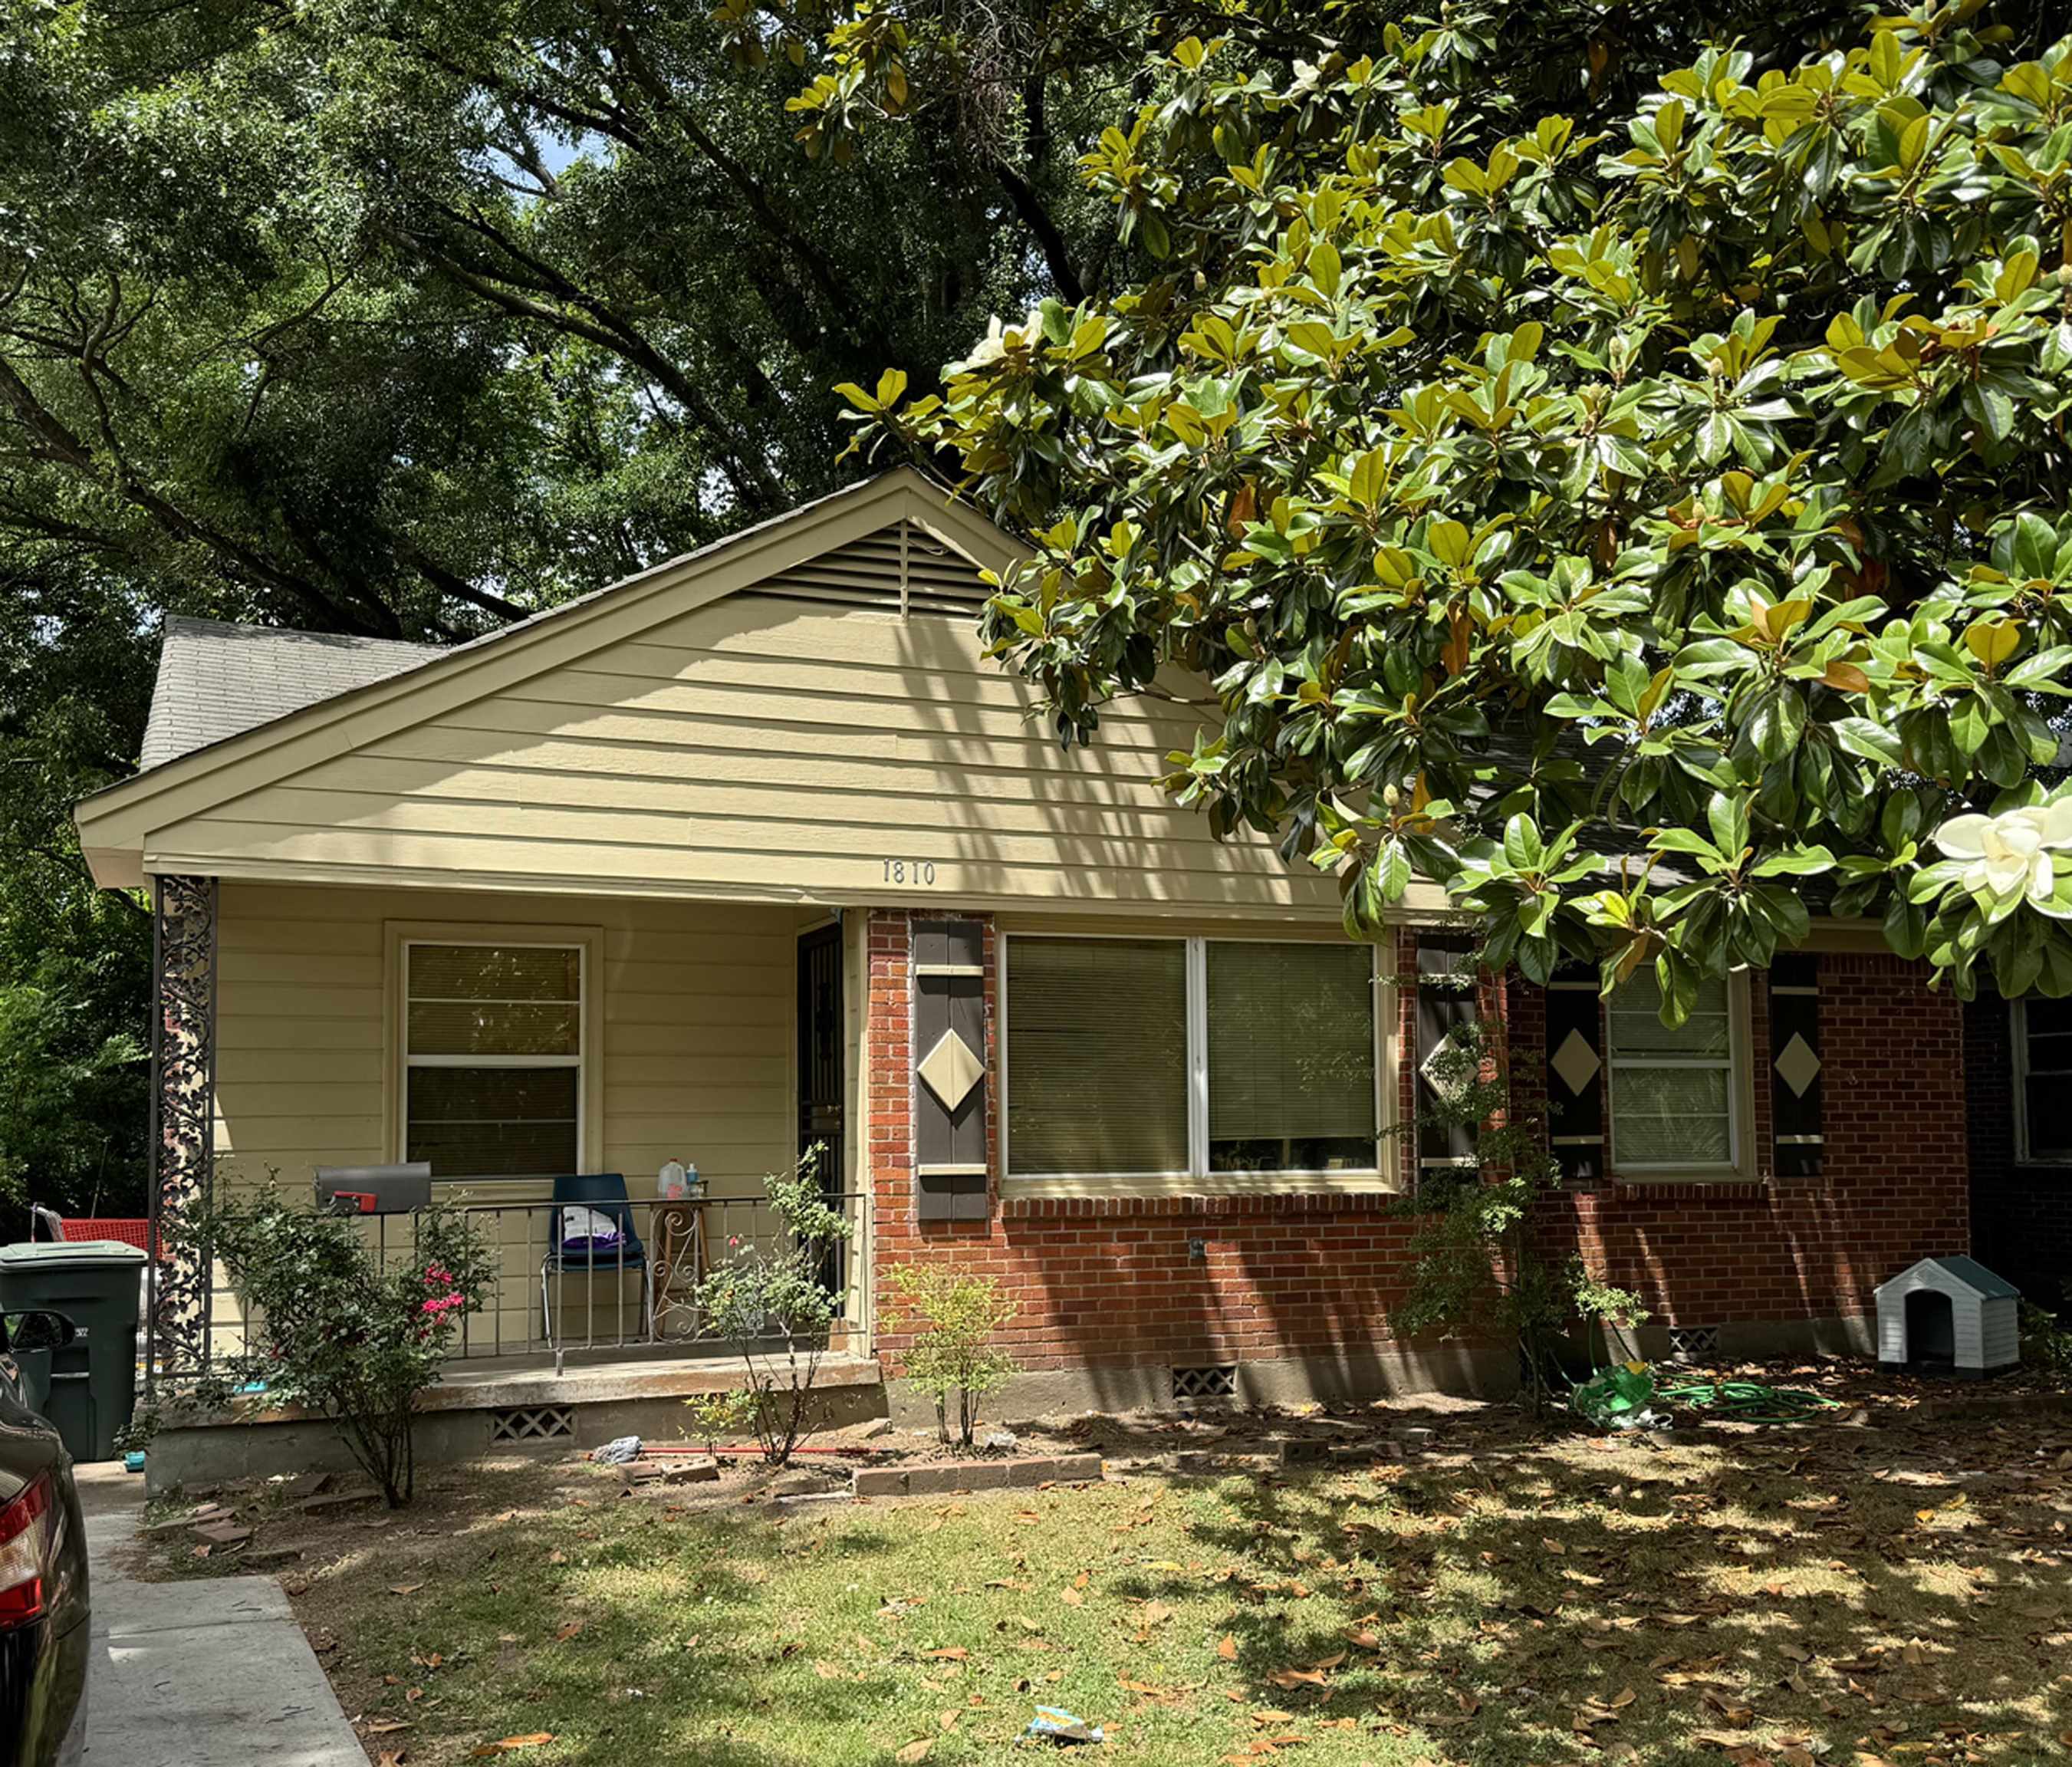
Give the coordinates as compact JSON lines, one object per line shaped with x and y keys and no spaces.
{"x":949,"y":1071}
{"x":1794,"y":1066}
{"x":1576,"y":1075}
{"x":1446,"y":1002}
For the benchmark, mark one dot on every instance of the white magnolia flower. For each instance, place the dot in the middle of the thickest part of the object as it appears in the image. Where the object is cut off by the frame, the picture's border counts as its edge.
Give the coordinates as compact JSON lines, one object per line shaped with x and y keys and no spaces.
{"x":2009,"y":854}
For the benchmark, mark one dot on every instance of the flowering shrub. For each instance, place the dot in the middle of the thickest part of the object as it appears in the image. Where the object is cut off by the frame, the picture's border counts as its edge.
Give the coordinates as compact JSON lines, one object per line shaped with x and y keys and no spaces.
{"x":328,"y":1327}
{"x":773,"y":1304}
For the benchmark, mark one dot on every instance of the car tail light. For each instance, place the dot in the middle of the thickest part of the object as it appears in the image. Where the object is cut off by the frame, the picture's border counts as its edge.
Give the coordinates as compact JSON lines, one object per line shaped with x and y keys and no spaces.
{"x":26,"y":1532}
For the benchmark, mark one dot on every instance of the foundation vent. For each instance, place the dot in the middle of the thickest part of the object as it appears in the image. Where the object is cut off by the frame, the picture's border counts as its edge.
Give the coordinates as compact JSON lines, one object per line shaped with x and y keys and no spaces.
{"x":1192,"y":1385}
{"x":1694,"y":1343}
{"x":532,"y":1424}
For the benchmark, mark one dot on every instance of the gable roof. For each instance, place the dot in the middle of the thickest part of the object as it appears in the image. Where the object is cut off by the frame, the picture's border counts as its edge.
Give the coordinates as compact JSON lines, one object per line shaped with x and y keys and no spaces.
{"x":232,"y":754}
{"x":1968,"y":1272}
{"x":217,"y":680}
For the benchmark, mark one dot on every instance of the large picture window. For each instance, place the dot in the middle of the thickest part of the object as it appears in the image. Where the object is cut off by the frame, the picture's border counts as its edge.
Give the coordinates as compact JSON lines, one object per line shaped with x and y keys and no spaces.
{"x":1675,"y":1092}
{"x":1178,"y":1058}
{"x":1097,"y":1055}
{"x":1291,"y":1058}
{"x":2043,"y":1080}
{"x":492,"y":1061}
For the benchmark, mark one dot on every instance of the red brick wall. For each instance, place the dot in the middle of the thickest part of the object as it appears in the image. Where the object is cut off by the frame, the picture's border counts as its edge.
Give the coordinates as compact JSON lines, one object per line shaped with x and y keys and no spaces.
{"x":1893,"y":1186}
{"x":1112,"y":1280}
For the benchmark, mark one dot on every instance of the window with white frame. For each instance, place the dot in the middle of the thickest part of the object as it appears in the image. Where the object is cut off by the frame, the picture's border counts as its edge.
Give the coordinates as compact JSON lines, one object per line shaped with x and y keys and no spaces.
{"x":492,"y":1057}
{"x":1170,"y":1058}
{"x":1675,"y":1091}
{"x":2042,"y":1032}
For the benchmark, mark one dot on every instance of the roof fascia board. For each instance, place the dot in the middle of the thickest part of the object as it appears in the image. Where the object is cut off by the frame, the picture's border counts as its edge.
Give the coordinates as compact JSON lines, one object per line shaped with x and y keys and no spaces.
{"x":123,"y":815}
{"x":172,"y":865}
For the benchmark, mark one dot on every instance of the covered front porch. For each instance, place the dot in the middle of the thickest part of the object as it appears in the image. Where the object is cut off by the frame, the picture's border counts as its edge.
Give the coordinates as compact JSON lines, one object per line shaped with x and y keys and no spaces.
{"x":541,"y":1053}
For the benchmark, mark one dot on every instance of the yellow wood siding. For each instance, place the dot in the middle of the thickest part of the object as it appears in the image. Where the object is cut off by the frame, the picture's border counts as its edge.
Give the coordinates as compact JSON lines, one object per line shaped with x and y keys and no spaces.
{"x":696,"y":1008}
{"x":695,"y":1001}
{"x":758,"y":746}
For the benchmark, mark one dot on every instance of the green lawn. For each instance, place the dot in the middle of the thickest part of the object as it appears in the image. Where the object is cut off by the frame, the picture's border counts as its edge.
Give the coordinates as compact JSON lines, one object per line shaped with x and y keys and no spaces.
{"x":1825,"y":1594}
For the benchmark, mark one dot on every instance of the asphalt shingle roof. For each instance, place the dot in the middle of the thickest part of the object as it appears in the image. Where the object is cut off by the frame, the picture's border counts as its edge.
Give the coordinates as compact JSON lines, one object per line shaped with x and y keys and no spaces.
{"x":217,"y":680}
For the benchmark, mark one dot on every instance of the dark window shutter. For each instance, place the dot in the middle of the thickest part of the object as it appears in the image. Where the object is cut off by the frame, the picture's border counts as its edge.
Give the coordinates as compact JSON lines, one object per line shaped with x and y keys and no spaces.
{"x":1795,"y":1065}
{"x":1445,"y":1001}
{"x":1576,"y":1075}
{"x":950,"y":1081}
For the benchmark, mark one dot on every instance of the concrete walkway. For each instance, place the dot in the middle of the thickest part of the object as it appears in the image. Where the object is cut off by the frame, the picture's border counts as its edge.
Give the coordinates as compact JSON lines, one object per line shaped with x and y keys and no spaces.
{"x":203,"y":1674}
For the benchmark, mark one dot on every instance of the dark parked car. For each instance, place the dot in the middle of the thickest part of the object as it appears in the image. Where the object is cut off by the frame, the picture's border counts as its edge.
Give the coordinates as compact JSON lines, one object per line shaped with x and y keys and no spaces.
{"x":43,"y":1633}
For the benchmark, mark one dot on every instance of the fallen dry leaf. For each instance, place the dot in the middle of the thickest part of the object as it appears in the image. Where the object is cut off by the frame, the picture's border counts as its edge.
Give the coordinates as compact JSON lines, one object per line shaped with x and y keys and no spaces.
{"x":568,"y":1632}
{"x":1288,"y":1679}
{"x":405,"y":1589}
{"x":916,"y":1750}
{"x":1228,"y":1649}
{"x":532,"y":1740}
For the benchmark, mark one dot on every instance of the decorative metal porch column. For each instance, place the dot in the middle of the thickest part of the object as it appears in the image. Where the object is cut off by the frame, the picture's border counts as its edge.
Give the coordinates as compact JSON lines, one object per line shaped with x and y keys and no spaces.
{"x":176,"y":1327}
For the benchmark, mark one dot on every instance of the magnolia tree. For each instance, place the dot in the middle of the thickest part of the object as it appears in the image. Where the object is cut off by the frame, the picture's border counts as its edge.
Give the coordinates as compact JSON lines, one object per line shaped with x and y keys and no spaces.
{"x":1615,"y":522}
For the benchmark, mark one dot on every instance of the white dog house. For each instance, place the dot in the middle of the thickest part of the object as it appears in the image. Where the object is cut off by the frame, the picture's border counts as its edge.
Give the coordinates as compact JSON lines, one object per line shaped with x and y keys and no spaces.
{"x":1951,"y":1316}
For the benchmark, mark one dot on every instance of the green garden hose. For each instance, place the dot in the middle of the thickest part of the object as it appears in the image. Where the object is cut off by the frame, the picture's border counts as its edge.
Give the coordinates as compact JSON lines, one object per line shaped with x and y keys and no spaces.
{"x":1749,"y":1401}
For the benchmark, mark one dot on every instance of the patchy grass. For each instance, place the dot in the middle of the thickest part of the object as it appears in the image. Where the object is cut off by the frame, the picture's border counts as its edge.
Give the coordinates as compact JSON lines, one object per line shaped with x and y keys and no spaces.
{"x":1897,"y":1594}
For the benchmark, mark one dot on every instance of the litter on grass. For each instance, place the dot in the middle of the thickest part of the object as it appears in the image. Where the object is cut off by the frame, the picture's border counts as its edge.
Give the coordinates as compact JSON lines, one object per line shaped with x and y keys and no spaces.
{"x":1054,"y":1723}
{"x":618,"y":1452}
{"x":1620,"y":1397}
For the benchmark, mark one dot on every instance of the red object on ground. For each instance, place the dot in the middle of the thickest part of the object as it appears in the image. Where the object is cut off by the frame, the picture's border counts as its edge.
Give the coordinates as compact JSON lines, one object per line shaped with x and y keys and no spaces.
{"x":664,"y":1450}
{"x":135,"y":1233}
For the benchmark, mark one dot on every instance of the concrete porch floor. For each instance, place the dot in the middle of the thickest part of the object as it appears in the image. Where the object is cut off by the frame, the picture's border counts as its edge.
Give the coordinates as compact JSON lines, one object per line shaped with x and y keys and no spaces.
{"x":514,"y":1381}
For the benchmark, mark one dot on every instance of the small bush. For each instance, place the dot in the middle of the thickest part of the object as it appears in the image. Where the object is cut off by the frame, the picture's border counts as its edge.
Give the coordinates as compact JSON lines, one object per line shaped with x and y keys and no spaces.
{"x":2046,"y":1344}
{"x":779,"y":1297}
{"x":953,"y":1318}
{"x":327,"y":1328}
{"x":716,"y":1417}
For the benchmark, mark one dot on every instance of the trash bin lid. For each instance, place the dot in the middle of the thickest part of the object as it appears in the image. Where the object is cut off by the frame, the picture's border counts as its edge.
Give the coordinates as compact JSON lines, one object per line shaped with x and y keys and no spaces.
{"x":68,"y":1254}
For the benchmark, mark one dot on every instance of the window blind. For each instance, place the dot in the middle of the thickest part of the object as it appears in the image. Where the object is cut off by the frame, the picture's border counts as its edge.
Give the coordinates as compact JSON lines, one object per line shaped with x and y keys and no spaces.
{"x":1672,"y":1087}
{"x":492,"y":1061}
{"x":1096,"y":1056}
{"x":1291,"y":1056}
{"x":474,"y":1122}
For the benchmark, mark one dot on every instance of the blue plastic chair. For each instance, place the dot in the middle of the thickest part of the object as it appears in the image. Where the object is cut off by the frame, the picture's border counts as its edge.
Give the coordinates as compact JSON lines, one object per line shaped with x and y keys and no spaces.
{"x":604,"y":1193}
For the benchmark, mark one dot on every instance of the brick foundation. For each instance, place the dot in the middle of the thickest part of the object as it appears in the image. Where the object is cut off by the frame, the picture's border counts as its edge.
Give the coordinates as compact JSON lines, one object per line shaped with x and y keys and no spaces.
{"x":1139,"y":1283}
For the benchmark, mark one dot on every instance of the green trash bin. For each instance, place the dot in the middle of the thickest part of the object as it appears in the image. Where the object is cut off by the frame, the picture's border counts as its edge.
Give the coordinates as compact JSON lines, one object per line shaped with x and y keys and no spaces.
{"x":93,"y":1379}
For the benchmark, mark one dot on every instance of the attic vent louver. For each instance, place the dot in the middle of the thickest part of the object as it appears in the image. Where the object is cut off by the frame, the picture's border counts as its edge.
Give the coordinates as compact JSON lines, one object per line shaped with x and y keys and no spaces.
{"x":902,"y":569}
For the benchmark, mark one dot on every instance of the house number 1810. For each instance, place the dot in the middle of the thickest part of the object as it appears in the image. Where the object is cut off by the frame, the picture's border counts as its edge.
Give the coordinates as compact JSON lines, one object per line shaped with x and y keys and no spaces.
{"x":914,"y":871}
